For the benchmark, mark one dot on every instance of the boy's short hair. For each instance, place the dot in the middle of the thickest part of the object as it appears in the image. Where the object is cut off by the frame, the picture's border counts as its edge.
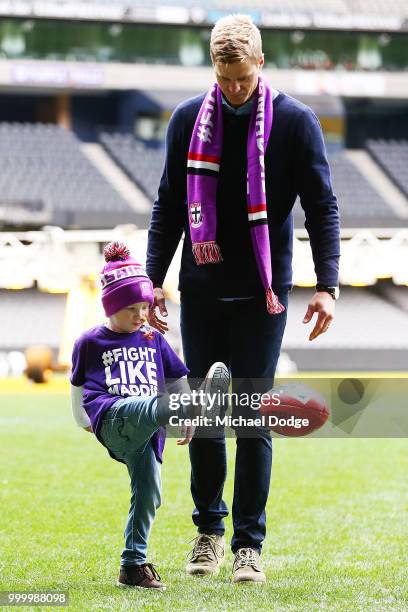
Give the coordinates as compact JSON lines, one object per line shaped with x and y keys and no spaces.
{"x":235,"y":38}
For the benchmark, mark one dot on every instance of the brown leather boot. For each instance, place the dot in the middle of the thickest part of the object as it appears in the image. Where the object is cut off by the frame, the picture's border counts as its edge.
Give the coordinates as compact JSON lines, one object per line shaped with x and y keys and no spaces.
{"x":207,"y":555}
{"x":246,"y":566}
{"x":144,"y":576}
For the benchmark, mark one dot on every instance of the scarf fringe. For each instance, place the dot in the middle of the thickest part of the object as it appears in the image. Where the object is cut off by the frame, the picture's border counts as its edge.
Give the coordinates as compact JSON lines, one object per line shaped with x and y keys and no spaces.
{"x":207,"y":252}
{"x":272,"y":302}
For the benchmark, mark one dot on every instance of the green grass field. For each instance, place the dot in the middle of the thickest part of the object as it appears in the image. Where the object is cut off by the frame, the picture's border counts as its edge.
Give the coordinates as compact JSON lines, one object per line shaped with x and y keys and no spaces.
{"x":337,"y":521}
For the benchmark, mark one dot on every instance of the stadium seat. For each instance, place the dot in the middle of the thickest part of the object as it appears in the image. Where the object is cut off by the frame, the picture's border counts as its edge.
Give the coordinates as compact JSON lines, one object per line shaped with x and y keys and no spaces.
{"x":44,"y":169}
{"x":359,"y":202}
{"x":143,"y":164}
{"x":30,"y":317}
{"x":392,"y":156}
{"x":356,"y":339}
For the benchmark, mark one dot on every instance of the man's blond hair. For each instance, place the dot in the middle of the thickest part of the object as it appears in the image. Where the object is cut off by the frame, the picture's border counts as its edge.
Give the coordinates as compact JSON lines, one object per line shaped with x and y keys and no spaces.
{"x":235,"y":38}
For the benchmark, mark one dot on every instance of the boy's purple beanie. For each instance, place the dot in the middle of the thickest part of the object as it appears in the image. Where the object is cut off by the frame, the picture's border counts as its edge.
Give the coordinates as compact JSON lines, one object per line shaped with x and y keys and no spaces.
{"x":124,"y":280}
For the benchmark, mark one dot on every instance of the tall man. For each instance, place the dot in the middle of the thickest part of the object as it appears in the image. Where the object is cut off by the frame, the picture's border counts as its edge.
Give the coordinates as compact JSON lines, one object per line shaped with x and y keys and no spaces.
{"x":236,"y":158}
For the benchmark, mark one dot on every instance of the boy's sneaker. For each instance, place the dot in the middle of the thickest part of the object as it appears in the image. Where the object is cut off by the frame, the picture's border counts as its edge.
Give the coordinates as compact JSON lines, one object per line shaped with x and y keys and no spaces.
{"x":215,"y":384}
{"x":207,"y":555}
{"x":246,"y":566}
{"x":143,"y":576}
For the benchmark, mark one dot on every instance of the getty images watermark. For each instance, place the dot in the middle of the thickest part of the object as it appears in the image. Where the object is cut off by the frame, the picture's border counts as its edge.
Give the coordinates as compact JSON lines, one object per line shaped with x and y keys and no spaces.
{"x":213,"y":402}
{"x":321,"y":406}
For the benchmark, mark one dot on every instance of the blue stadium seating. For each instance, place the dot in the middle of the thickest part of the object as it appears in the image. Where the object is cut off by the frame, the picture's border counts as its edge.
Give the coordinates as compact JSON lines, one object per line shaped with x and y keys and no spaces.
{"x":143,"y":164}
{"x":46,"y":178}
{"x":360,"y":204}
{"x":392,"y":156}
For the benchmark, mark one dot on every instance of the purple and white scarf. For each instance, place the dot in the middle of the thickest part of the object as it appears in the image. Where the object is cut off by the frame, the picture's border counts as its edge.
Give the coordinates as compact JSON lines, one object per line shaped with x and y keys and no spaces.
{"x":203,"y":166}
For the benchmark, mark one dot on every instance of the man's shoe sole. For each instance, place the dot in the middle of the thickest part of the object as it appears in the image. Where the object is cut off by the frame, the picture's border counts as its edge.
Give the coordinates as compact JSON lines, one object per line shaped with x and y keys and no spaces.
{"x":216,"y":379}
{"x":248,"y":579}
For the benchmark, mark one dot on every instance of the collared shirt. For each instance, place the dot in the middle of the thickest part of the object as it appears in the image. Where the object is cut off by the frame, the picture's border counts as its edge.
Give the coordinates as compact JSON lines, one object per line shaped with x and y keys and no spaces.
{"x":244,"y":109}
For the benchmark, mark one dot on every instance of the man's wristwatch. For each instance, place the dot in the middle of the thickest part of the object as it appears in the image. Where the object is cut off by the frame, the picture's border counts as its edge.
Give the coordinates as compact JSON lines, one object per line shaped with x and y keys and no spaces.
{"x":333,"y":291}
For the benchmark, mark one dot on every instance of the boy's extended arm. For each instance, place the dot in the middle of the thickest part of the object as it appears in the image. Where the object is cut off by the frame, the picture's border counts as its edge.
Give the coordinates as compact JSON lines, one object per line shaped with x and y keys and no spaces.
{"x":78,"y":411}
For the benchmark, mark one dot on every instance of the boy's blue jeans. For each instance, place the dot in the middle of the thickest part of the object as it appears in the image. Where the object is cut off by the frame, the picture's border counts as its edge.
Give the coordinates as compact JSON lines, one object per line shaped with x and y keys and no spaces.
{"x":126,"y":430}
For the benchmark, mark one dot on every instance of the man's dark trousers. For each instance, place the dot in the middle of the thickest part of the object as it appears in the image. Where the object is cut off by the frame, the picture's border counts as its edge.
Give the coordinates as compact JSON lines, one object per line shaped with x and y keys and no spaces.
{"x":243,"y":335}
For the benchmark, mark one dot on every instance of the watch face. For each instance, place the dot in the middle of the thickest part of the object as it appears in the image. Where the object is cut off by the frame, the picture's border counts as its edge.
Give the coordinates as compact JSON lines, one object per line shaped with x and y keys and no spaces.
{"x":333,"y":291}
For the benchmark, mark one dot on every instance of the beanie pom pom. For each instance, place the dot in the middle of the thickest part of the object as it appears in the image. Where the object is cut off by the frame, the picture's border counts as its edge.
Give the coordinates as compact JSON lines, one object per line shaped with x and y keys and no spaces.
{"x":116,"y":251}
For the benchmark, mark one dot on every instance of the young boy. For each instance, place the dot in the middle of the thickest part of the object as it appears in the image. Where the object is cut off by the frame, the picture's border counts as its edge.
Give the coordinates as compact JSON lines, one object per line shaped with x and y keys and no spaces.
{"x":121,"y":372}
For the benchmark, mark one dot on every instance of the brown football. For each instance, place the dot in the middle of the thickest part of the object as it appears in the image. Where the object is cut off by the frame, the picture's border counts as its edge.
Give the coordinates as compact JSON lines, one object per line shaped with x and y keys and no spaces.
{"x":300,"y":411}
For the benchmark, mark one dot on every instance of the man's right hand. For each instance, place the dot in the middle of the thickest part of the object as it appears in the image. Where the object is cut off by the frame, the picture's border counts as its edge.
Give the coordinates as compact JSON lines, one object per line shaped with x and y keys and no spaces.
{"x":160,"y":303}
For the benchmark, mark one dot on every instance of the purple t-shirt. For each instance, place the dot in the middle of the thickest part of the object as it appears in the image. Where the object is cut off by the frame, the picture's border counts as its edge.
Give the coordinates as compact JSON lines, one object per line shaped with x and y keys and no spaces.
{"x":110,"y":365}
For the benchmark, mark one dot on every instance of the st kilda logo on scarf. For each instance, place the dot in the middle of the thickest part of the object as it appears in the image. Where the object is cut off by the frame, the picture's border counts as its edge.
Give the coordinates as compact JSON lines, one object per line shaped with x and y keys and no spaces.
{"x":196,"y":214}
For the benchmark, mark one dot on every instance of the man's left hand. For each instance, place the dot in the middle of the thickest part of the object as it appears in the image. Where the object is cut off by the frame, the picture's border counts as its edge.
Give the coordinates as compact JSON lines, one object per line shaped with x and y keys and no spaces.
{"x":324,"y":305}
{"x":187,"y":433}
{"x":160,"y":303}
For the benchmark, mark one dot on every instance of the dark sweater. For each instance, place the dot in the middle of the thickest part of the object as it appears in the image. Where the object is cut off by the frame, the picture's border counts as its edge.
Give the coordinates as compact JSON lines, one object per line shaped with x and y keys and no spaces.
{"x":295,"y":163}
